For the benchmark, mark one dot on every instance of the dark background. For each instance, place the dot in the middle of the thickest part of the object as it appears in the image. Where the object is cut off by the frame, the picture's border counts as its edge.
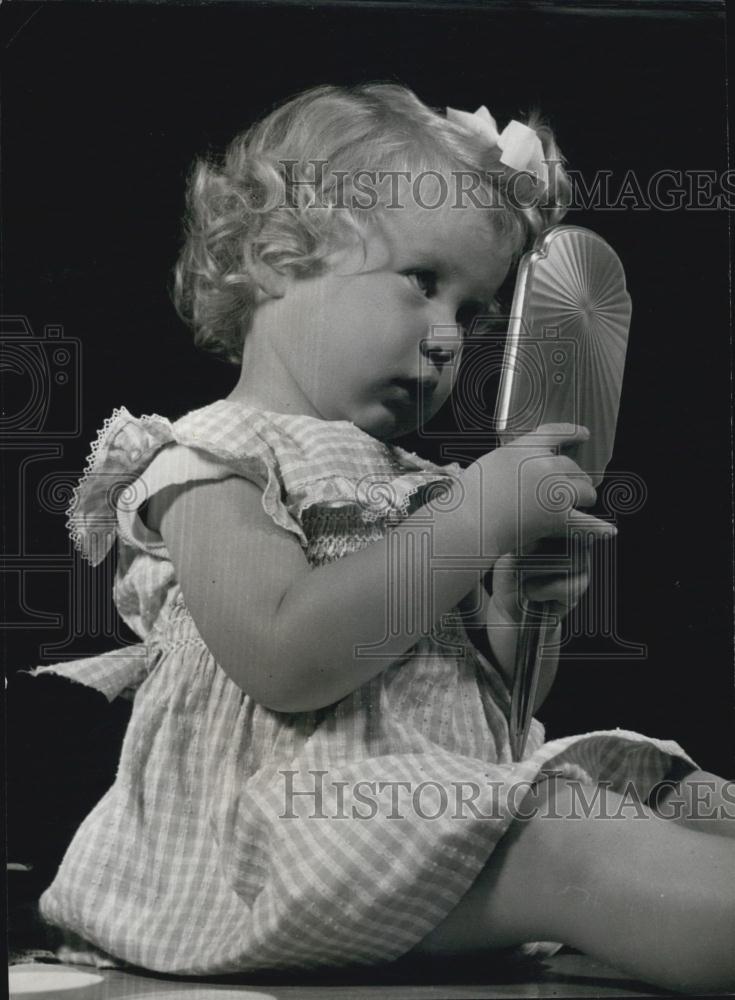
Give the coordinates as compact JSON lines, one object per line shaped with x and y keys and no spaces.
{"x":104,"y":107}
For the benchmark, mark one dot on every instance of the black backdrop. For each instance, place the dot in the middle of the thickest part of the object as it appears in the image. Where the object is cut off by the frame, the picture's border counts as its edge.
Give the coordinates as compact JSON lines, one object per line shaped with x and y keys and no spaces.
{"x":105,"y":106}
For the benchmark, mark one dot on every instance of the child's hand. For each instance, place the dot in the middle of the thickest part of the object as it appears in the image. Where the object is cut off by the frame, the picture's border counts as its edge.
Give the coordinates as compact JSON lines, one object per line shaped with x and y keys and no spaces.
{"x":526,"y":491}
{"x":561,"y":588}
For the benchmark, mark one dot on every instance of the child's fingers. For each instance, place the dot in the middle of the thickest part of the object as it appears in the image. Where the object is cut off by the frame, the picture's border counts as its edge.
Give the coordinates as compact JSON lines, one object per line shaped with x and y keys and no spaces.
{"x":564,"y":584}
{"x":579,"y":523}
{"x":508,"y":563}
{"x":567,"y":591}
{"x":591,"y":526}
{"x":553,"y":435}
{"x":562,"y":565}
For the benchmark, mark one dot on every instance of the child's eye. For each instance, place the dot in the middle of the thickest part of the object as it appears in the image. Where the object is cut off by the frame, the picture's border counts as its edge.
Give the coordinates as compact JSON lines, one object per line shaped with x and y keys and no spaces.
{"x":478,"y":318}
{"x":424,"y":280}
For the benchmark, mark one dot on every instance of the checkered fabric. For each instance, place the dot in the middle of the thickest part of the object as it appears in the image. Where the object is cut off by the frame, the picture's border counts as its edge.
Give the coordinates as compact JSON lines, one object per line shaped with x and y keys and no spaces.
{"x":236,"y":838}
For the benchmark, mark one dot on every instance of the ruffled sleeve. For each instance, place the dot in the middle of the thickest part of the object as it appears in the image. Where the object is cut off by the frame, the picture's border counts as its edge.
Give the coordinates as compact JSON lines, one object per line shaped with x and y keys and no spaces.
{"x":135,"y":457}
{"x":124,"y":447}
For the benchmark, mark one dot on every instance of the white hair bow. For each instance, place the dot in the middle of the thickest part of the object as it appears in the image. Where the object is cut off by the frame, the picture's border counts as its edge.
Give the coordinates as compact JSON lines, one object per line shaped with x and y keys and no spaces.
{"x":521,"y":147}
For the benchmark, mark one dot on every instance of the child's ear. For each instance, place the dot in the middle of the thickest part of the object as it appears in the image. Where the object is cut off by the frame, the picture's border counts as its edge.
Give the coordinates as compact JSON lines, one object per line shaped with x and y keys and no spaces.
{"x":270,"y":281}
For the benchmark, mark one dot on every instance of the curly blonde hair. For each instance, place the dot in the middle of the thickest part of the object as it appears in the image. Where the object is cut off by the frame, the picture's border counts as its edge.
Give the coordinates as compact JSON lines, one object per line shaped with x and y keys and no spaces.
{"x":286,"y":190}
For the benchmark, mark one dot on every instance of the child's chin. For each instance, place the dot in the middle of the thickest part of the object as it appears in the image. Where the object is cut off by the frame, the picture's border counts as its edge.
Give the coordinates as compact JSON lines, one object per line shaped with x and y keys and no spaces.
{"x":392,"y":422}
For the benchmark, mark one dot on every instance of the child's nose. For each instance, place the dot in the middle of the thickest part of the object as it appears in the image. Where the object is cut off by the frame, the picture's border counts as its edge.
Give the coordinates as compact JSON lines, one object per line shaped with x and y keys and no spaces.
{"x":439,"y":352}
{"x":442,"y":344}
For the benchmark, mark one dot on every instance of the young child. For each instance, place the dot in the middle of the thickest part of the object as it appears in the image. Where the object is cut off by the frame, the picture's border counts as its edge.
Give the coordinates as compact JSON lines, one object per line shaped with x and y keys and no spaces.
{"x":317,"y":769}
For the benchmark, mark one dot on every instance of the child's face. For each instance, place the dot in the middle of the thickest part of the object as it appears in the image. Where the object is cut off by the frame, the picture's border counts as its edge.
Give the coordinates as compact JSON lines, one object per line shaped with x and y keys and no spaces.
{"x":376,"y":339}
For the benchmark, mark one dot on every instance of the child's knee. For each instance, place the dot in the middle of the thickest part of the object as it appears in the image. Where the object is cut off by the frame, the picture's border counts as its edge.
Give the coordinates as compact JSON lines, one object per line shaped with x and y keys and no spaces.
{"x":552,"y":812}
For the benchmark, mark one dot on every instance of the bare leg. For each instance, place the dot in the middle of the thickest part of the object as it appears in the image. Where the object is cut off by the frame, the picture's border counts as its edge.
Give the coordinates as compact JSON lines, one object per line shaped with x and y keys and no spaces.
{"x":652,"y":898}
{"x":700,"y":800}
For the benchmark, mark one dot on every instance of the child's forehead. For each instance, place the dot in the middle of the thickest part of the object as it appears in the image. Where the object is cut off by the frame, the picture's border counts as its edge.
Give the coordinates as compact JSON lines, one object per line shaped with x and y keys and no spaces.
{"x":456,"y":237}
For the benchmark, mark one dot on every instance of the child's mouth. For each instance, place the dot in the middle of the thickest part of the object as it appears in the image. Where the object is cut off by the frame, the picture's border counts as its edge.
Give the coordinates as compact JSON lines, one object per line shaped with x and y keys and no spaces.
{"x":410,"y":391}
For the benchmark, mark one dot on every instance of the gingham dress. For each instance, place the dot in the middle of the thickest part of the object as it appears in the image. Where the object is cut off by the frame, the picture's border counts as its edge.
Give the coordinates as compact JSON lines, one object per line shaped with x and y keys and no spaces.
{"x":202,"y":858}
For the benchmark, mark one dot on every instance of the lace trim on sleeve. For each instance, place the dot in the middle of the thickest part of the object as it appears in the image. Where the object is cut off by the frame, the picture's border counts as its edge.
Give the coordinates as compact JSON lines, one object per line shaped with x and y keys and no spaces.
{"x":123,"y":447}
{"x":113,"y":485}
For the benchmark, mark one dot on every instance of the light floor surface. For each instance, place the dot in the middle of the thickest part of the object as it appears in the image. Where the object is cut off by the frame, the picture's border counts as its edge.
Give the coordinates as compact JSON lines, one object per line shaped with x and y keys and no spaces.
{"x":567,"y":974}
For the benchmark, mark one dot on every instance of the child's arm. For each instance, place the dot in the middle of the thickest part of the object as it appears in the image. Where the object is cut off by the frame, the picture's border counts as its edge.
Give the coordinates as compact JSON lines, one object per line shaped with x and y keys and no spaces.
{"x":289,"y":634}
